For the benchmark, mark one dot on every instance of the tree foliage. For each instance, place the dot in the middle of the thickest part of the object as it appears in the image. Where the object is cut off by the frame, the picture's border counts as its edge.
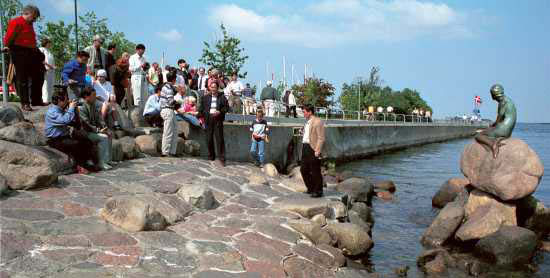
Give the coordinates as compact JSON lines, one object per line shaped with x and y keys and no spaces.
{"x":225,"y":54}
{"x":372,"y":93}
{"x":10,"y":9}
{"x":315,"y":91}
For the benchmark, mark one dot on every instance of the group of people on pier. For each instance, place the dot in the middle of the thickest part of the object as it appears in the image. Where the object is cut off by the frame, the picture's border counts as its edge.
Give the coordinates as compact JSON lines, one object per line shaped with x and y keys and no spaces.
{"x":84,"y":109}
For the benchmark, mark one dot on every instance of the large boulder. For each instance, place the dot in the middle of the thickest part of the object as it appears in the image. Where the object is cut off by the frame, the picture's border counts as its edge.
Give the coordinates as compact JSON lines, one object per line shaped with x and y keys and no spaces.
{"x":129,"y":148}
{"x":510,"y":245}
{"x":149,"y":144}
{"x":448,"y":191}
{"x":296,"y":174}
{"x":173,"y":208}
{"x":26,"y":167}
{"x":309,"y":207}
{"x":3,"y":186}
{"x":294,"y":185}
{"x":514,"y":174}
{"x":256,"y":178}
{"x":116,"y":151}
{"x":479,"y":198}
{"x":10,"y":114}
{"x":312,"y":231}
{"x":533,"y":215}
{"x":386,"y":185}
{"x":132,"y":214}
{"x":351,"y":239}
{"x":434,"y":261}
{"x":23,"y":133}
{"x":364,"y":212}
{"x":184,"y":128}
{"x":484,"y":221}
{"x":137,"y":118}
{"x":38,"y":115}
{"x":198,"y":195}
{"x":358,"y":189}
{"x":444,"y":225}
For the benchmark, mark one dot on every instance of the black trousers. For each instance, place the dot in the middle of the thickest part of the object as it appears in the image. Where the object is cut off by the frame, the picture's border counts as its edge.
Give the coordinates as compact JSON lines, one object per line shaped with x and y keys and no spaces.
{"x":289,"y":109}
{"x":120,"y":92}
{"x":80,"y":149}
{"x":214,"y":128}
{"x":311,"y":170}
{"x":27,"y":68}
{"x":154,"y":120}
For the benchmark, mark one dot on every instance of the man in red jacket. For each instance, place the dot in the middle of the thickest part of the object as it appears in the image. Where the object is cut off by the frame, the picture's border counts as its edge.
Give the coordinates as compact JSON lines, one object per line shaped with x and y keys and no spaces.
{"x":20,"y":41}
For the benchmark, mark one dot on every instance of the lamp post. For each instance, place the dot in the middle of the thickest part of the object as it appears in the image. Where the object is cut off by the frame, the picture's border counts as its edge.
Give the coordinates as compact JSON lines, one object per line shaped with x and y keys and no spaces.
{"x":76,"y":25}
{"x":4,"y":84}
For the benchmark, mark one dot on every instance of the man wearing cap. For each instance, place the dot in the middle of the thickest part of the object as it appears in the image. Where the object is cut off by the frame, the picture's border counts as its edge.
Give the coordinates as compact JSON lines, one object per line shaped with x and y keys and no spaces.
{"x":98,"y":54}
{"x":268,"y":97}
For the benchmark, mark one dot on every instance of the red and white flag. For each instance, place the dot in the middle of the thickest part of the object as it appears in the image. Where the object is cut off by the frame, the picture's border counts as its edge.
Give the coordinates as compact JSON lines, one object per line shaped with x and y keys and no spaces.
{"x":477,"y":100}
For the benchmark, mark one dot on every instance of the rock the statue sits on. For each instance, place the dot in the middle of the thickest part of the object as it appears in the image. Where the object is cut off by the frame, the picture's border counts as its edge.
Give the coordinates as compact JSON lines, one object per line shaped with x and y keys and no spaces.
{"x":514,"y":174}
{"x":503,"y":126}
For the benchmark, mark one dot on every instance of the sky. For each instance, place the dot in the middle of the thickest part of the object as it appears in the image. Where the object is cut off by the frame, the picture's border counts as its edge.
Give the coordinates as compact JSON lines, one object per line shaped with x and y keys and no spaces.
{"x":449,"y":51}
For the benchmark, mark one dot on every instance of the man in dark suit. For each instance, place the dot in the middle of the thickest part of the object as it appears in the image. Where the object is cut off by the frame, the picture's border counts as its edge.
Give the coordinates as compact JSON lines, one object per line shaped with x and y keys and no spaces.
{"x":313,"y":140}
{"x":213,"y":108}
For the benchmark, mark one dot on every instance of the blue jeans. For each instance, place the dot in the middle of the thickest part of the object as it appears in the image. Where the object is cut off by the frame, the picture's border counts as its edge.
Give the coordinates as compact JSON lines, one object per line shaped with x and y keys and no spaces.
{"x":151,"y":90}
{"x":259,"y":154}
{"x":189,"y":118}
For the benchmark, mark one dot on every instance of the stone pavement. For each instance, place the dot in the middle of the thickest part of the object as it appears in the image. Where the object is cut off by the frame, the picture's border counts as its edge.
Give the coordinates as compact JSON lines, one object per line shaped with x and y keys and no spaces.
{"x":56,"y":231}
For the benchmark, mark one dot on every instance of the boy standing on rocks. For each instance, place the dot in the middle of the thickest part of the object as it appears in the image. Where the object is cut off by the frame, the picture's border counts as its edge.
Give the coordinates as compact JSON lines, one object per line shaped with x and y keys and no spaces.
{"x":259,"y":136}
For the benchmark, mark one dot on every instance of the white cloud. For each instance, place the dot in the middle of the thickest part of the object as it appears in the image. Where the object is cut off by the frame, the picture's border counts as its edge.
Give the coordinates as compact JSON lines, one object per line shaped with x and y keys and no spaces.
{"x":171,"y":35}
{"x":333,"y":22}
{"x":63,"y":6}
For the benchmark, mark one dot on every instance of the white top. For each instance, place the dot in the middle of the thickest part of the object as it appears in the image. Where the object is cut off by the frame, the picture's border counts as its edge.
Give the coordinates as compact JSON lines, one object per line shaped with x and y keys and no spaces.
{"x":214,"y":105}
{"x":291,"y":99}
{"x":202,"y":82}
{"x":49,"y":57}
{"x":103,"y":91}
{"x":179,"y":98}
{"x":235,"y":86}
{"x":135,"y":64}
{"x":305,"y":139}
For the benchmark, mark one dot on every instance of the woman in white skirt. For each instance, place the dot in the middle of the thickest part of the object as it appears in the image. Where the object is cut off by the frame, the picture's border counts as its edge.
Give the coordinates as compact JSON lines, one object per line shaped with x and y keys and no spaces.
{"x":49,"y":75}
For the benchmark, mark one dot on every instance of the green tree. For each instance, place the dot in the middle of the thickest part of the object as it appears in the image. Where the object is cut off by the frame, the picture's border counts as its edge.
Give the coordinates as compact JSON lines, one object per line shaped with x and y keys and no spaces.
{"x":10,"y":9}
{"x":225,"y":55}
{"x":315,"y":91}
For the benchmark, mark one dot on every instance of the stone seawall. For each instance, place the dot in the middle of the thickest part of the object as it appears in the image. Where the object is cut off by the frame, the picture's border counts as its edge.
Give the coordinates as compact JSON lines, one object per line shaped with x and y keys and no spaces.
{"x":343,"y":142}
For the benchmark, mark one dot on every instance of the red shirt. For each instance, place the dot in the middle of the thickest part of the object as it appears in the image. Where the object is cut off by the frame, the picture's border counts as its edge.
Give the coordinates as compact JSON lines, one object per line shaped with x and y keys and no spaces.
{"x":20,"y":33}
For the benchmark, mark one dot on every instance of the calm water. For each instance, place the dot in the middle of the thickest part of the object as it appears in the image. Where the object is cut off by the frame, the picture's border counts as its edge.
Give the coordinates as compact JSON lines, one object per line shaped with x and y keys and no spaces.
{"x":418,"y":174}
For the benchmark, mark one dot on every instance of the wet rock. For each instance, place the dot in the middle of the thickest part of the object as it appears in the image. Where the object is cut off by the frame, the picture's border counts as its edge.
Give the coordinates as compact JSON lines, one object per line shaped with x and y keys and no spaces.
{"x":514,"y":174}
{"x":149,"y":144}
{"x":444,"y":225}
{"x":10,"y":114}
{"x":449,"y":191}
{"x":344,"y":175}
{"x":339,"y":258}
{"x":479,"y":198}
{"x":309,"y":207}
{"x":356,"y":219}
{"x":23,"y":133}
{"x":312,"y":231}
{"x":386,"y":185}
{"x":483,"y":222}
{"x":132,"y":214}
{"x":198,"y":195}
{"x":358,"y":189}
{"x":434,"y":261}
{"x":319,"y":219}
{"x":350,"y":238}
{"x":510,"y":245}
{"x":384,"y":195}
{"x":26,"y":167}
{"x":257,"y":179}
{"x":533,"y":215}
{"x":270,"y":170}
{"x":364,"y":212}
{"x":192,"y":148}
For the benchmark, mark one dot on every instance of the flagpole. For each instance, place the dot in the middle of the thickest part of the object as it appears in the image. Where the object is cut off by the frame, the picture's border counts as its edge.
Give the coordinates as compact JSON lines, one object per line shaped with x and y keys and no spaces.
{"x":284,"y":72}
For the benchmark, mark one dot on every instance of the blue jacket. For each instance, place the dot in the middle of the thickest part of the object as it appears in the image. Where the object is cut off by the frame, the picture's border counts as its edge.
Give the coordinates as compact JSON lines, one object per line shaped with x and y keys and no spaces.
{"x":57,"y":121}
{"x":75,"y":71}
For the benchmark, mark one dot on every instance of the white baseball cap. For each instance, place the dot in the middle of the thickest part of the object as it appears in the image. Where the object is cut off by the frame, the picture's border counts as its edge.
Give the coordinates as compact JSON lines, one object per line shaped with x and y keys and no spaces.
{"x":269,"y":82}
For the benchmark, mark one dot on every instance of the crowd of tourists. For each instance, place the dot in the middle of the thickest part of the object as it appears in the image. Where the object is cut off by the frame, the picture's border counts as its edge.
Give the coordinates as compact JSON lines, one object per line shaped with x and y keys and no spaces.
{"x":84,"y":109}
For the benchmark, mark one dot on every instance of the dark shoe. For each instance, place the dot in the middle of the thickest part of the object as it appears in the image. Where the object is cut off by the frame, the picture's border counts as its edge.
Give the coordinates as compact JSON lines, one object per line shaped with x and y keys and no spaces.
{"x":317,"y":194}
{"x":81,"y":170}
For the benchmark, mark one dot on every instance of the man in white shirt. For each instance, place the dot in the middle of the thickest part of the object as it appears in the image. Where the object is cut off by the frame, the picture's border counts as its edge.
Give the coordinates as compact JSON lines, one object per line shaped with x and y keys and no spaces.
{"x":201,"y":85}
{"x":106,"y":97}
{"x":233,"y":93}
{"x":139,"y":77}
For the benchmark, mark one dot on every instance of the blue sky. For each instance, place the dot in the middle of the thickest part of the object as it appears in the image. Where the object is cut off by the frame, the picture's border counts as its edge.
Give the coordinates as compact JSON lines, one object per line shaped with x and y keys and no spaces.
{"x":447,"y":50}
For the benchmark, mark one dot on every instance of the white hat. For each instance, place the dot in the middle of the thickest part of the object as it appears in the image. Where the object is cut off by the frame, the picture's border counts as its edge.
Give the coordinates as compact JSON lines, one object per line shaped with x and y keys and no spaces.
{"x":98,"y":38}
{"x":101,"y":72}
{"x":269,"y":82}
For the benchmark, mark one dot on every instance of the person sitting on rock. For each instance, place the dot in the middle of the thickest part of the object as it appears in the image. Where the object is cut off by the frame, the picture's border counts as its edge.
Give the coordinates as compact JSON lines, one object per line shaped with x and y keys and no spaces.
{"x":62,"y":114}
{"x":93,"y":124}
{"x":105,"y":95}
{"x":151,"y":112}
{"x":188,"y":111}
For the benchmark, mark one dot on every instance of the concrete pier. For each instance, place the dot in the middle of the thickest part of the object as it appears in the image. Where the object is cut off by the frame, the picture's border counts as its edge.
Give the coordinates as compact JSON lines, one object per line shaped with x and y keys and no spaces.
{"x":345,"y":140}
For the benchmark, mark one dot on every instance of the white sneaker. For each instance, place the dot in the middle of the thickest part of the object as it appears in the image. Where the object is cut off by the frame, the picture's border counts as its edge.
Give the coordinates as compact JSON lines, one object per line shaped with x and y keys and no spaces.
{"x":105,"y":166}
